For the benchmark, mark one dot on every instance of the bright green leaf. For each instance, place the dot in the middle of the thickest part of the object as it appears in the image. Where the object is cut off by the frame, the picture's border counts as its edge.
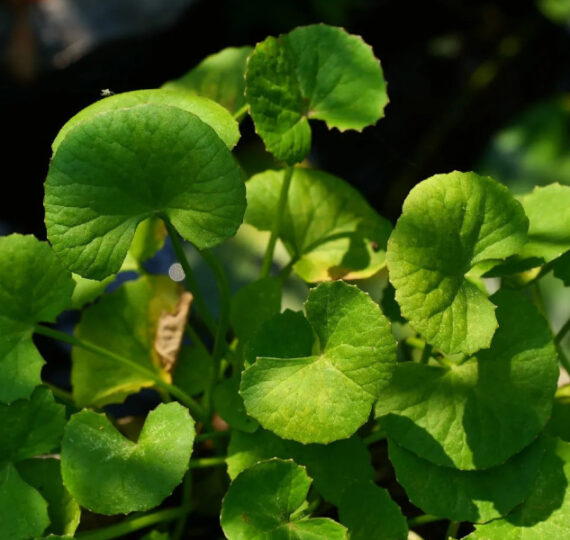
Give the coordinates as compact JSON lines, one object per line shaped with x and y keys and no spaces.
{"x":219,"y":77}
{"x":121,"y":167}
{"x":546,"y":512}
{"x":476,"y":496}
{"x":450,"y":223}
{"x":192,"y":370}
{"x":369,"y":512}
{"x":229,"y":405}
{"x":332,"y":466}
{"x":205,"y":109}
{"x":125,"y":321}
{"x":29,"y":293}
{"x":261,"y":503}
{"x":45,"y":476}
{"x":29,"y":427}
{"x":149,"y":238}
{"x":326,"y":392}
{"x":327,"y":224}
{"x":478,"y":414}
{"x":23,"y":511}
{"x":88,"y":290}
{"x":109,"y":474}
{"x":316,"y":71}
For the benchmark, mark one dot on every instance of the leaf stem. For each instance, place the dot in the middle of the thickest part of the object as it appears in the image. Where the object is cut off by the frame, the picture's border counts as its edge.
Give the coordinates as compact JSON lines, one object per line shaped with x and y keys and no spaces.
{"x":424,"y":519}
{"x":277,"y":219}
{"x":203,"y":463}
{"x":186,"y":498}
{"x":134,"y":524}
{"x":201,"y":437}
{"x":178,"y":393}
{"x":61,"y":394}
{"x":375,"y":436}
{"x":562,"y":332}
{"x":537,"y":298}
{"x":452,"y":530}
{"x":189,"y":277}
{"x":426,"y":353}
{"x":240,"y":114}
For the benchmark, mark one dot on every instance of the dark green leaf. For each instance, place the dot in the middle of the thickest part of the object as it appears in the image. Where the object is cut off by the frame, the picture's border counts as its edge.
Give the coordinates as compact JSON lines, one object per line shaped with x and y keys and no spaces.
{"x":229,"y":405}
{"x":192,"y":371}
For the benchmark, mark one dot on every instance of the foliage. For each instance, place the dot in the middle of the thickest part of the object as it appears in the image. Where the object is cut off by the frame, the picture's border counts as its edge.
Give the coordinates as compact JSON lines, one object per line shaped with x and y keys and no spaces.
{"x":300,"y":405}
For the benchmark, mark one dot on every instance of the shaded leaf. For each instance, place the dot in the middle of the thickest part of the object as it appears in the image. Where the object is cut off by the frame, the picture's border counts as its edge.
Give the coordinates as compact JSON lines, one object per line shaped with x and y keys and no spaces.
{"x":229,"y":405}
{"x":192,"y":371}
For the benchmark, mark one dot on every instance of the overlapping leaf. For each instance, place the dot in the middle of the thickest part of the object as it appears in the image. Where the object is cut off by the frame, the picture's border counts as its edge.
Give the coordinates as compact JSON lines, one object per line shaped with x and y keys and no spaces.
{"x":316,"y":71}
{"x":125,"y":322}
{"x":123,"y":166}
{"x":451,"y":223}
{"x":262,"y":502}
{"x":328,"y":227}
{"x":30,"y":292}
{"x":325,"y":392}
{"x":478,"y":414}
{"x":109,"y":474}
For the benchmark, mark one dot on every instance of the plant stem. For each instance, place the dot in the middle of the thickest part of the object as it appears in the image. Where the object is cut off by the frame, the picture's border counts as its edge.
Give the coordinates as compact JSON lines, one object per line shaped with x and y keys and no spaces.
{"x":562,"y":332}
{"x":189,"y":277}
{"x":537,"y":298}
{"x":62,"y":395}
{"x":134,"y":524}
{"x":415,"y":342}
{"x":203,"y":463}
{"x":424,"y":519}
{"x":276,"y":228}
{"x":186,"y":497}
{"x":375,"y":436}
{"x":452,"y":529}
{"x":201,"y":437}
{"x":240,"y":114}
{"x":426,"y":353}
{"x":184,"y":398}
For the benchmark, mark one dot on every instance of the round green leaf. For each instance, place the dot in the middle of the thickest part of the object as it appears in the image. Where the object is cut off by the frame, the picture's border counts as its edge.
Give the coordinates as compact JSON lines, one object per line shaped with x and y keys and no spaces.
{"x":476,"y":496}
{"x":23,"y":511}
{"x":30,"y":427}
{"x":229,"y":405}
{"x":261,"y":503}
{"x":315,"y":71}
{"x":123,"y":166}
{"x":205,"y":109}
{"x":327,"y":225}
{"x":125,"y":321}
{"x":45,"y":476}
{"x":546,"y":512}
{"x":369,"y":512}
{"x":450,"y":223}
{"x":29,"y":293}
{"x":478,"y":414}
{"x":219,"y":77}
{"x":327,"y":393}
{"x":332,"y":466}
{"x":109,"y":474}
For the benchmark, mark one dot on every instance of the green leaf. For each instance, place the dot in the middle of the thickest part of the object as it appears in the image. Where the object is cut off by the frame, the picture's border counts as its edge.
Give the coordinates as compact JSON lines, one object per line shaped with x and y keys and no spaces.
{"x":316,"y":71}
{"x":121,"y":167}
{"x":192,"y":371}
{"x":149,"y":238}
{"x":332,"y":466}
{"x":30,"y":427}
{"x":326,"y":393}
{"x":369,"y":512}
{"x":109,"y":474}
{"x":229,"y":405}
{"x":546,"y":512}
{"x":478,"y":414}
{"x":328,"y":227}
{"x":561,"y":268}
{"x":262,"y":501}
{"x":205,"y":109}
{"x":23,"y":511}
{"x":548,"y":211}
{"x":219,"y":77}
{"x":254,"y":304}
{"x":45,"y":476}
{"x":476,"y":496}
{"x":125,"y":321}
{"x":29,"y":293}
{"x":450,"y":223}
{"x":88,"y":290}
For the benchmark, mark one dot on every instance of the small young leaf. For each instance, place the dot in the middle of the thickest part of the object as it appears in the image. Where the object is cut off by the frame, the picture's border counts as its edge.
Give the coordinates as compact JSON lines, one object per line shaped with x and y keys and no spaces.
{"x":546,"y":512}
{"x":315,"y":71}
{"x":229,"y":405}
{"x":109,"y":474}
{"x":29,"y":293}
{"x":45,"y":476}
{"x":325,"y":394}
{"x":126,"y":322}
{"x":332,"y":466}
{"x":478,"y":414}
{"x":449,"y":224}
{"x":30,"y":427}
{"x":121,"y":167}
{"x":23,"y":511}
{"x":327,"y":225}
{"x":369,"y":512}
{"x":205,"y":109}
{"x":219,"y":77}
{"x":261,"y":503}
{"x":476,"y":496}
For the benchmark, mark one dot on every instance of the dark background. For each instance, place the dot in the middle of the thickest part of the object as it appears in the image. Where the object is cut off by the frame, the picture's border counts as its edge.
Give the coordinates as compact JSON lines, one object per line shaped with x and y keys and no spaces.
{"x":456,"y":72}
